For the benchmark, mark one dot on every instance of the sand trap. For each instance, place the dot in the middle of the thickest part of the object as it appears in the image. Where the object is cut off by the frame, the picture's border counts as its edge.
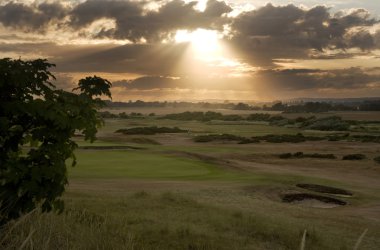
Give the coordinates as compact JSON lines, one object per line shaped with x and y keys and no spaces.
{"x":313,"y":200}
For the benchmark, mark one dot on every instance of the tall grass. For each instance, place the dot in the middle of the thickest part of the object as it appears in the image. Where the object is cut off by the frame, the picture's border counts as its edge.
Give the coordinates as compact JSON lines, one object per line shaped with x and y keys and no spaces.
{"x":158,"y":221}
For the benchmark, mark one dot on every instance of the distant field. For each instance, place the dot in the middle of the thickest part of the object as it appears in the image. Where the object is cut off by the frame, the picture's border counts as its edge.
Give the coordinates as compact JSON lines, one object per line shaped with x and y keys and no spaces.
{"x":180,"y":194}
{"x":347,"y":115}
{"x":170,"y":110}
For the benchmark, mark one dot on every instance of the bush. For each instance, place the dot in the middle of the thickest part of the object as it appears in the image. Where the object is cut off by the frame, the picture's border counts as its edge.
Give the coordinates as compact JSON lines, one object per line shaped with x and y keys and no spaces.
{"x":377,"y":159}
{"x":367,"y":138}
{"x":353,"y":157}
{"x":286,"y":156}
{"x":218,"y":137}
{"x":332,"y":123}
{"x":150,"y":130}
{"x":302,"y":155}
{"x":258,"y":117}
{"x":287,"y":138}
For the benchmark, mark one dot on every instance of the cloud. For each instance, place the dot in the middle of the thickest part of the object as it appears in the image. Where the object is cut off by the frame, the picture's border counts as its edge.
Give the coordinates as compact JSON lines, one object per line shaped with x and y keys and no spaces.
{"x":262,"y":40}
{"x":195,"y":83}
{"x":150,"y":59}
{"x":134,"y":23}
{"x":314,"y":79}
{"x":31,"y":18}
{"x":274,"y":32}
{"x":151,"y":82}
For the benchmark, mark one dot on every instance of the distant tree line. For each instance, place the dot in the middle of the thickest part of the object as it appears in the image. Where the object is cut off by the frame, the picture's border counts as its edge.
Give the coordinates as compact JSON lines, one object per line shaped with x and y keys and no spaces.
{"x":301,"y":107}
{"x":318,"y":107}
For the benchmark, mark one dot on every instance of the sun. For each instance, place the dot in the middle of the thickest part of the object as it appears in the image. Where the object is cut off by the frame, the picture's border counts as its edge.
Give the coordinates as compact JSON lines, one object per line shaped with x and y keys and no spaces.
{"x":202,"y":40}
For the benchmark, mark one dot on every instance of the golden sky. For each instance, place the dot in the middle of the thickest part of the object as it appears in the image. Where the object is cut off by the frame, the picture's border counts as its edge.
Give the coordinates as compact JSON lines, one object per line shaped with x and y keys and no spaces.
{"x":202,"y":50}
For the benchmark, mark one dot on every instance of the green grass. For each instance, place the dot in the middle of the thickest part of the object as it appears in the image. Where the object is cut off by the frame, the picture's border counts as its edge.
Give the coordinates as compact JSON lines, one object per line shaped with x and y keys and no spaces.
{"x":134,"y":164}
{"x":195,"y":127}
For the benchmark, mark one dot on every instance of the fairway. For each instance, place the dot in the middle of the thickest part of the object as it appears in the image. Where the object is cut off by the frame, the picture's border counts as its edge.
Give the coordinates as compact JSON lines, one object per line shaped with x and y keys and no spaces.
{"x":132,"y":164}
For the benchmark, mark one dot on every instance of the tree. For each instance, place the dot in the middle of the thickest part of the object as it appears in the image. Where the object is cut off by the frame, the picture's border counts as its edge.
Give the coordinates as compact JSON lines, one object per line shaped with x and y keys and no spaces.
{"x":37,"y":124}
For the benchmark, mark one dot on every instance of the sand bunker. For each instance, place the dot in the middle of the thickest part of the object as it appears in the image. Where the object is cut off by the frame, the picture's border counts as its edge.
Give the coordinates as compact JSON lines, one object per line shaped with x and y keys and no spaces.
{"x":313,"y":200}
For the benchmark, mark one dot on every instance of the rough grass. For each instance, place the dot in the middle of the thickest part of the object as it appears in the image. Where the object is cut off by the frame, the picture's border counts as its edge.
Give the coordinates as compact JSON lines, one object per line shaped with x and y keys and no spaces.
{"x":162,"y":221}
{"x":103,"y":213}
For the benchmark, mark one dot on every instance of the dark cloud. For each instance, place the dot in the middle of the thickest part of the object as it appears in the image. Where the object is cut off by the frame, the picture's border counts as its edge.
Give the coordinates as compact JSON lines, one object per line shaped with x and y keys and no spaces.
{"x":314,"y":79}
{"x":267,"y":80}
{"x":361,"y":39}
{"x":195,"y":83}
{"x":144,"y":59}
{"x":31,"y":18}
{"x":132,"y":21}
{"x":134,"y":24}
{"x":151,"y":82}
{"x":151,"y":59}
{"x":288,"y":31}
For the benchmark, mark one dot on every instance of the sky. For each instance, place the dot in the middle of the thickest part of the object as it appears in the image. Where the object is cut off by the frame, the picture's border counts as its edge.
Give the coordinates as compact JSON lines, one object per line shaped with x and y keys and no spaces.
{"x":185,"y":50}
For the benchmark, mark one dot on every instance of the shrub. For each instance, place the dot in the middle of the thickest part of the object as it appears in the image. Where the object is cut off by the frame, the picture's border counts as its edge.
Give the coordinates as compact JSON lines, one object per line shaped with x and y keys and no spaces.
{"x":377,"y":159}
{"x":332,"y":123}
{"x":353,"y":157}
{"x":302,"y":155}
{"x":367,"y":138}
{"x":150,"y":130}
{"x":298,"y":155}
{"x":258,"y":117}
{"x":287,"y":138}
{"x":286,"y":156}
{"x":218,"y":137}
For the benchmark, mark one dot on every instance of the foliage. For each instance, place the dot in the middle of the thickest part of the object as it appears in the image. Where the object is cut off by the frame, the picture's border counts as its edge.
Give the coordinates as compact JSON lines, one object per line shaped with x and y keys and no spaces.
{"x":366,"y":138}
{"x":352,"y":157}
{"x":218,"y":137}
{"x":300,"y":155}
{"x":377,"y":159}
{"x":33,"y":112}
{"x":287,"y":138}
{"x":332,"y":123}
{"x":150,"y":130}
{"x":195,"y":116}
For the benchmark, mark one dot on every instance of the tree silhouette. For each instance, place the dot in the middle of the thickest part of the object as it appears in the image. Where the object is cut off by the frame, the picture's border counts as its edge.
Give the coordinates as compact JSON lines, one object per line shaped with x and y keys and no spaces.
{"x":37,"y":123}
